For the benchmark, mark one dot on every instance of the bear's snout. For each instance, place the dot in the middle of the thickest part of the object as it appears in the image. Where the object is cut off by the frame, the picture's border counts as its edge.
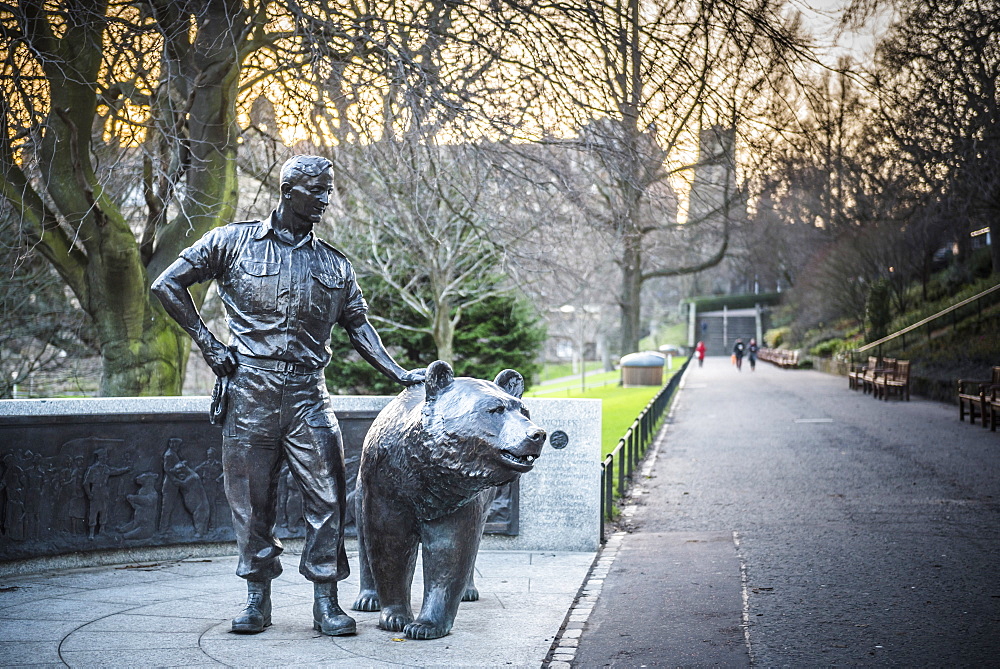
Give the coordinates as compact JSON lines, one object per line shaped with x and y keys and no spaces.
{"x":522,"y":457}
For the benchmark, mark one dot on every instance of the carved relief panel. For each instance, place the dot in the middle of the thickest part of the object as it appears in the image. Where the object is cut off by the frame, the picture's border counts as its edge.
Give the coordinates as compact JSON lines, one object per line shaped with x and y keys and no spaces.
{"x":71,"y":483}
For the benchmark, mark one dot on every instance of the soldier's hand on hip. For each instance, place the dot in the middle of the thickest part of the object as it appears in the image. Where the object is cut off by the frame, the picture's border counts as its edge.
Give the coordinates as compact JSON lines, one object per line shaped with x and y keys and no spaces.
{"x":220,"y":359}
{"x":413,"y":377}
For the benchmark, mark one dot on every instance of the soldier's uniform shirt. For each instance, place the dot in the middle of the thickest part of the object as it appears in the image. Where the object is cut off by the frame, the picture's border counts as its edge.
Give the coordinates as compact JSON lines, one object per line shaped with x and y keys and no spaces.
{"x":282,"y":301}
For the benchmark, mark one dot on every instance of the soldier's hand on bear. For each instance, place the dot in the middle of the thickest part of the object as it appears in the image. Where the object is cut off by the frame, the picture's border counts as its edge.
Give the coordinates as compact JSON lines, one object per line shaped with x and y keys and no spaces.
{"x":413,"y":377}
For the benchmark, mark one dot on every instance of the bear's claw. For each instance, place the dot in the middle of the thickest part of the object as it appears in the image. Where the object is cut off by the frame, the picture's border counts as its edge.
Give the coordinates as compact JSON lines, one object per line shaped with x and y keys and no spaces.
{"x":471,"y":595}
{"x":423,"y":631}
{"x":394,"y":622}
{"x":367,"y":601}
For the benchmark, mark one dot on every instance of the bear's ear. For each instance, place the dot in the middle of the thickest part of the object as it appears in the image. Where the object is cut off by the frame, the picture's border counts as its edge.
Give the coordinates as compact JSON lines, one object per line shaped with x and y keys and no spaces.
{"x":439,"y":376}
{"x":511,"y":382}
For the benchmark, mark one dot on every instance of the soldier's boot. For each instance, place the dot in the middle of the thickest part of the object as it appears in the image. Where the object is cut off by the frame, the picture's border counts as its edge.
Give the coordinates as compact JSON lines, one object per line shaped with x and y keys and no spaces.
{"x":328,"y":617}
{"x":257,"y":614}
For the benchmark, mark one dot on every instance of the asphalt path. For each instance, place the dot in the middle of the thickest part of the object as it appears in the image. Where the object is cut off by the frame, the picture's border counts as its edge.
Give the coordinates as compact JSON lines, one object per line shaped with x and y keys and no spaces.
{"x":789,"y":521}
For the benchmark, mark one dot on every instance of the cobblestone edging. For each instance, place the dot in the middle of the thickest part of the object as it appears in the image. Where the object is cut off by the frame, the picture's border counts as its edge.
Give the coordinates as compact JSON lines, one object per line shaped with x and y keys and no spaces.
{"x":564,"y":647}
{"x":563,"y":651}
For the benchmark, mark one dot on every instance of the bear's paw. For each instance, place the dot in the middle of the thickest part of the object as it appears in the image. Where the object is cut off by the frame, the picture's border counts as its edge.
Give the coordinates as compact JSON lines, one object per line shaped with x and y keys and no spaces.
{"x":422,"y":630}
{"x":471,"y":594}
{"x":395,"y":619}
{"x":367,"y":601}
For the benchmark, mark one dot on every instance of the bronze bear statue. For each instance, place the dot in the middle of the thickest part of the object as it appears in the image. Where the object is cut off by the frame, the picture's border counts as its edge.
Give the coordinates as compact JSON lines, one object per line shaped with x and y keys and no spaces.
{"x":429,"y":469}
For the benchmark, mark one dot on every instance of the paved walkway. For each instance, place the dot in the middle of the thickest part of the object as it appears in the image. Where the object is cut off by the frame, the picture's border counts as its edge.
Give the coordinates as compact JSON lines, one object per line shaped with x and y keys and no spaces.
{"x":177,"y":614}
{"x":787,"y":521}
{"x":782,"y":521}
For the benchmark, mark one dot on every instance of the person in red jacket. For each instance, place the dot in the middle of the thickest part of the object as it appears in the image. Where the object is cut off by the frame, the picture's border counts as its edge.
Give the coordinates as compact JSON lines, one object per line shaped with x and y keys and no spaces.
{"x":699,"y":351}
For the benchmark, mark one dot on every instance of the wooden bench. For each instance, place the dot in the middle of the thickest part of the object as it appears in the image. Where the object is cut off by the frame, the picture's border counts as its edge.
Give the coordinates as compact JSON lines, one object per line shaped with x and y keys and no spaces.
{"x":972,"y":393}
{"x":993,"y":407}
{"x":895,"y":381}
{"x":886,"y":366}
{"x":781,"y":357}
{"x":855,"y":377}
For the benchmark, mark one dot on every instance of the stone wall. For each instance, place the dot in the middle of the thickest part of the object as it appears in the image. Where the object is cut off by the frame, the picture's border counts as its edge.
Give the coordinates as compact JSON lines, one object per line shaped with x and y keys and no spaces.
{"x":137,"y":474}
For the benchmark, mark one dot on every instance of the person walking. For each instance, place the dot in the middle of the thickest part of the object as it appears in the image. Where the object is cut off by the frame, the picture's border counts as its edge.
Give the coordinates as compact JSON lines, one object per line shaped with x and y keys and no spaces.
{"x":699,"y":352}
{"x":739,"y":348}
{"x":752,"y":354}
{"x":284,"y":289}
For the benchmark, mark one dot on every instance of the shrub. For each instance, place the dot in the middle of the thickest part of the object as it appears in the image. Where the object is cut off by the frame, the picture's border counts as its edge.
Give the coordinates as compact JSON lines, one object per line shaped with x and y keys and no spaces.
{"x":829,"y":348}
{"x":775,"y":337}
{"x":501,"y":332}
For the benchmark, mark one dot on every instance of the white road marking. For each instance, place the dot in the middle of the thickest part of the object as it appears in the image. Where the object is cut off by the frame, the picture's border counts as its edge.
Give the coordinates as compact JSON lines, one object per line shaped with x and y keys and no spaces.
{"x":746,"y":597}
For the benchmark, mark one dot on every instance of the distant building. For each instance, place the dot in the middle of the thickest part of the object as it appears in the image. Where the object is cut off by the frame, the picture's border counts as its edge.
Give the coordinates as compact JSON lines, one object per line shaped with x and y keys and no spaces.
{"x":715,"y":202}
{"x":713,"y":187}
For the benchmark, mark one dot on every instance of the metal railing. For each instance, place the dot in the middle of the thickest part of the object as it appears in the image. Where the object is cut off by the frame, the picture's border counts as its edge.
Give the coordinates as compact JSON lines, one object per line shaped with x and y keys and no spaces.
{"x":975,"y":302}
{"x":620,"y":463}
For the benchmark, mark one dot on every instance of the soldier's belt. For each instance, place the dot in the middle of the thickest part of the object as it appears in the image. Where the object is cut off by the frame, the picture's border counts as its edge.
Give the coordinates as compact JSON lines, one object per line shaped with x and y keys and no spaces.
{"x":275,"y":365}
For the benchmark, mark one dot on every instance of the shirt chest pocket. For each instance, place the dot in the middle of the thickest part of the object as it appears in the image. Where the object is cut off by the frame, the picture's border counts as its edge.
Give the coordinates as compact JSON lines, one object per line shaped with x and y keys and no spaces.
{"x":258,"y":283}
{"x":325,"y":296}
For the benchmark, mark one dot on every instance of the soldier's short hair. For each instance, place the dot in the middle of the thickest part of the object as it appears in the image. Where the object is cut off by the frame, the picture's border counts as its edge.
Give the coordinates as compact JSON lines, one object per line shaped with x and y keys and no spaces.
{"x":297,"y":167}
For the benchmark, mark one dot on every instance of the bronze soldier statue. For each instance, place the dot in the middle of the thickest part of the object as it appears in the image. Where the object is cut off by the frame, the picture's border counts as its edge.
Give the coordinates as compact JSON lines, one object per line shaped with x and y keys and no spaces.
{"x":283,"y":289}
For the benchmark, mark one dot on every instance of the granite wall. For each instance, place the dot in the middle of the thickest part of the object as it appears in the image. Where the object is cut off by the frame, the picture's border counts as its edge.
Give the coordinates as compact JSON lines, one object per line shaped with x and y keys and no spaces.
{"x":93,"y":475}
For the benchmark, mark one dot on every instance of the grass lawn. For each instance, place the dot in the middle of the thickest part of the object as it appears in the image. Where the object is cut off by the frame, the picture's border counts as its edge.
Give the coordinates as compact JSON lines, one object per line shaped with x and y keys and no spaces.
{"x":619,"y":406}
{"x":557,"y":371}
{"x":564,"y":388}
{"x":570,"y":387}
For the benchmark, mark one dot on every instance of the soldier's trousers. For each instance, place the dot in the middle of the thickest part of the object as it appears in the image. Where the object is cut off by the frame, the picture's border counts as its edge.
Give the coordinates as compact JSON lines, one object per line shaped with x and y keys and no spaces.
{"x":277,"y":416}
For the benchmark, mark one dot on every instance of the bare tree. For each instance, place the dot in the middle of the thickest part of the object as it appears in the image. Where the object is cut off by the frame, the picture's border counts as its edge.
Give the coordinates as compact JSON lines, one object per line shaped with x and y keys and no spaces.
{"x":95,"y":94}
{"x":422,"y":193}
{"x":83,"y":82}
{"x":418,"y":216}
{"x":636,"y":80}
{"x":936,"y":77}
{"x":41,"y":331}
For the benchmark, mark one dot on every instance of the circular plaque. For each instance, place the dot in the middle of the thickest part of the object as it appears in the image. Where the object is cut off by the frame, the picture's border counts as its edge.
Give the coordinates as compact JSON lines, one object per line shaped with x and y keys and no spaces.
{"x":558,"y":439}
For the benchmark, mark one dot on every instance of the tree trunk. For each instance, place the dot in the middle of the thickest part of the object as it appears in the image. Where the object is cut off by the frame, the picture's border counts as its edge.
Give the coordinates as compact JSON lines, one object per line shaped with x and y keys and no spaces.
{"x":151,"y":360}
{"x":212,"y":82}
{"x":153,"y":363}
{"x":76,"y":225}
{"x":631,"y":298}
{"x":444,"y":335}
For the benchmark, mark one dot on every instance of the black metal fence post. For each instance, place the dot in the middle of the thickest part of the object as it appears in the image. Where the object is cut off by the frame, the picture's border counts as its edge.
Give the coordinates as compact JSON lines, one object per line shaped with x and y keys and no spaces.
{"x":630,"y":456}
{"x":621,"y":469}
{"x":644,"y":427}
{"x":604,"y":467}
{"x":609,"y":487}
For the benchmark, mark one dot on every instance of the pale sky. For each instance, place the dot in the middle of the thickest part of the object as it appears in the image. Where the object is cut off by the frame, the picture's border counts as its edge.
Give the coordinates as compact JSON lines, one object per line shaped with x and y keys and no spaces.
{"x":821,"y":17}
